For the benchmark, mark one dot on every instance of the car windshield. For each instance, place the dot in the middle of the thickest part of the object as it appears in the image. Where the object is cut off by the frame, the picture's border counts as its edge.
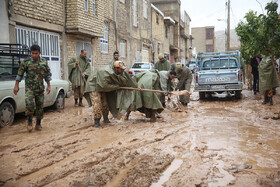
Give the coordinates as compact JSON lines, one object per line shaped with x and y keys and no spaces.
{"x":191,"y":62}
{"x":219,"y":64}
{"x":141,"y":66}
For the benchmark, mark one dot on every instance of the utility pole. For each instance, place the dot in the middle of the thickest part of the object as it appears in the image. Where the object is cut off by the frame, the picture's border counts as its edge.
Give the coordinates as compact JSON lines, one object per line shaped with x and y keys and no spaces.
{"x":228,"y":27}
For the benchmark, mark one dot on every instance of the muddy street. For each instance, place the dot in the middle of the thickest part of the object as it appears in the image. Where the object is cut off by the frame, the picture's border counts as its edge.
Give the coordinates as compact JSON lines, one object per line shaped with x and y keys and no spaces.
{"x":219,"y":141}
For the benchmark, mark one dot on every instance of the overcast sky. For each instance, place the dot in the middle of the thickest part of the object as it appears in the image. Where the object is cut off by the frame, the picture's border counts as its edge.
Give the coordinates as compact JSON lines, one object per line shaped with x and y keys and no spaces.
{"x":207,"y":12}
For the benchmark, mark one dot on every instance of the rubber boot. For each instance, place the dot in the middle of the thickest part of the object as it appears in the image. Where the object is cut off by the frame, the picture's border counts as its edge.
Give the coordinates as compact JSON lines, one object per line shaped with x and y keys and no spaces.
{"x":38,"y":126}
{"x":127,"y":115}
{"x":265,"y":101}
{"x":76,"y":103}
{"x":153,"y":117}
{"x":106,"y":119}
{"x":270,"y":101}
{"x":29,"y":124}
{"x":97,"y":122}
{"x":81,"y":102}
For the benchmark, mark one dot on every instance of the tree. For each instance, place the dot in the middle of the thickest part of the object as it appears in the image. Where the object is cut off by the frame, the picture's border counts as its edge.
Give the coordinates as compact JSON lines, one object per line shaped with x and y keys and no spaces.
{"x":260,"y":33}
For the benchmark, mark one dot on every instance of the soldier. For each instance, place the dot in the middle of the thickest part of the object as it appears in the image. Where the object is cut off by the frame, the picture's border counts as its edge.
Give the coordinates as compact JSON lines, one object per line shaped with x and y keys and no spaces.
{"x":115,"y":58}
{"x":166,"y":84}
{"x":162,"y":64}
{"x":184,"y":75}
{"x":78,"y":71}
{"x":102,"y":86}
{"x":36,"y":69}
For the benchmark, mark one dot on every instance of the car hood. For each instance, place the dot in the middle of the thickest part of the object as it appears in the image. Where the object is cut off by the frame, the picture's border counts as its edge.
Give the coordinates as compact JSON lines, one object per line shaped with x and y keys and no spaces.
{"x":9,"y":84}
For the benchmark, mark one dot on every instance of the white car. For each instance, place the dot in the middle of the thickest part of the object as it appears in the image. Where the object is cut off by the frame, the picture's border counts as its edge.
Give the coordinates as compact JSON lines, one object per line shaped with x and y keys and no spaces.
{"x":139,"y":67}
{"x":11,"y":104}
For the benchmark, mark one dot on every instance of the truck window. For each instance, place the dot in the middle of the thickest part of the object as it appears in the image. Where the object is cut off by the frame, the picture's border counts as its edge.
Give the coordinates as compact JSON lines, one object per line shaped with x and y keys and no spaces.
{"x":219,"y":64}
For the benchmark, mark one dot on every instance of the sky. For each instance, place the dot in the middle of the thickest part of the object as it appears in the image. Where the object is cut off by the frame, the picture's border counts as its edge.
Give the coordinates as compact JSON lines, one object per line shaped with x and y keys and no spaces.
{"x":207,"y":12}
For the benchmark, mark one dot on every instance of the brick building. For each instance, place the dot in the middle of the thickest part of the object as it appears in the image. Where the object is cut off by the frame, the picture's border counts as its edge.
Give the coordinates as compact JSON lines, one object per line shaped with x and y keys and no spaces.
{"x":204,"y":39}
{"x":135,"y":28}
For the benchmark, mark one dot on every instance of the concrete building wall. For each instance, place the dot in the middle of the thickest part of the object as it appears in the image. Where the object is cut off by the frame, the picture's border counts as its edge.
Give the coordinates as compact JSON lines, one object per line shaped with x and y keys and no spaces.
{"x":170,"y":8}
{"x":4,"y":24}
{"x":200,"y":42}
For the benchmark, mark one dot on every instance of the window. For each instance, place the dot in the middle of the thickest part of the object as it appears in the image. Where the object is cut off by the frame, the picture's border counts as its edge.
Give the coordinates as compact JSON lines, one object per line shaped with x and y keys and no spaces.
{"x":209,"y":34}
{"x":122,"y":1}
{"x":48,"y":42}
{"x":166,"y":31}
{"x":104,"y":41}
{"x":145,"y":9}
{"x":122,"y":48}
{"x":134,"y":10}
{"x":93,"y":7}
{"x":209,"y":48}
{"x":157,"y":19}
{"x":86,"y":5}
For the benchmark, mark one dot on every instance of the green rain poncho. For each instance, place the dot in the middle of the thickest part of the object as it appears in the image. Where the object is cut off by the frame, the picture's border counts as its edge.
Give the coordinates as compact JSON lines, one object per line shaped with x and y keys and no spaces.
{"x":267,"y":75}
{"x":105,"y":79}
{"x":147,"y":101}
{"x":75,"y":76}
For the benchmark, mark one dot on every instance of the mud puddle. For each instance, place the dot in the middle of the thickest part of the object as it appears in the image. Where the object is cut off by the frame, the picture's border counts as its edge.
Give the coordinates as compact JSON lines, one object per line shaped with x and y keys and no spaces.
{"x":198,"y":147}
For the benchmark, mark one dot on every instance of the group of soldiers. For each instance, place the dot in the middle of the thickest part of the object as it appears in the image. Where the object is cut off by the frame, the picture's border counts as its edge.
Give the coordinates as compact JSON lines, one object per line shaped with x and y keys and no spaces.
{"x":108,"y":89}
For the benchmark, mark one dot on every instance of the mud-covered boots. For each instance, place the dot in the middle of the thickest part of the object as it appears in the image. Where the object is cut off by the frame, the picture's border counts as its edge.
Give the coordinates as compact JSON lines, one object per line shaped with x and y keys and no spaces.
{"x":270,"y":100}
{"x":97,"y":122}
{"x":38,"y":126}
{"x":106,"y":119}
{"x":29,"y":124}
{"x":81,"y":103}
{"x":76,"y":103}
{"x":265,"y":101}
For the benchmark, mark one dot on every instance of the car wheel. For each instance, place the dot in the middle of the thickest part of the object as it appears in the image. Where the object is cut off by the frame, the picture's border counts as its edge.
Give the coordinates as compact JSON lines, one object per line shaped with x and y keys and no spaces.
{"x":238,"y":94}
{"x":7,"y":114}
{"x":201,"y":95}
{"x":60,"y":101}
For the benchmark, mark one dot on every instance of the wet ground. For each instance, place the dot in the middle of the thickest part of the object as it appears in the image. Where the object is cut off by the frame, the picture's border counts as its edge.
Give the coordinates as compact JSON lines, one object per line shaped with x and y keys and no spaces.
{"x":219,"y":141}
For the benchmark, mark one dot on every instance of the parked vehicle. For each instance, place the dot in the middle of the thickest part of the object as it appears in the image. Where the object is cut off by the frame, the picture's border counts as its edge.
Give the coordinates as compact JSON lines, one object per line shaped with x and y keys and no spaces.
{"x":10,"y":104}
{"x":219,"y":72}
{"x":139,"y":67}
{"x":192,"y":66}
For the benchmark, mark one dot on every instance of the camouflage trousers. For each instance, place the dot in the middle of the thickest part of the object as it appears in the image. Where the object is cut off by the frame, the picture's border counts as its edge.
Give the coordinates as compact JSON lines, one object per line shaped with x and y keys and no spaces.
{"x":36,"y":108}
{"x":79,"y":92}
{"x":100,"y":104}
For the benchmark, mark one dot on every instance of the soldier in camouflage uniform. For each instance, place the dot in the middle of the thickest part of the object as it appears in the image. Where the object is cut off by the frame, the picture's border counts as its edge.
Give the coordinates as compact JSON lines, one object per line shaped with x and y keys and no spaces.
{"x":36,"y":69}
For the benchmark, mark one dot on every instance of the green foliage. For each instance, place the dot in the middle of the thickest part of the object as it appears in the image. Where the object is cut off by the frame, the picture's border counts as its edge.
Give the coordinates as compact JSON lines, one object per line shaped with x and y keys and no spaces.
{"x":260,"y":33}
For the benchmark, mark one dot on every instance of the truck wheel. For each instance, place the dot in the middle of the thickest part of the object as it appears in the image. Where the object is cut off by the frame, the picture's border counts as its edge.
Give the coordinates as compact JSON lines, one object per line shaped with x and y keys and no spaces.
{"x":59,"y":102}
{"x":238,"y":94}
{"x":7,"y":114}
{"x":201,"y":95}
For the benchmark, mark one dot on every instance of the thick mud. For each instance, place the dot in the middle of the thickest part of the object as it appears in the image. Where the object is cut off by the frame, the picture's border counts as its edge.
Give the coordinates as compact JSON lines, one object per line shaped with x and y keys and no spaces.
{"x":219,"y":141}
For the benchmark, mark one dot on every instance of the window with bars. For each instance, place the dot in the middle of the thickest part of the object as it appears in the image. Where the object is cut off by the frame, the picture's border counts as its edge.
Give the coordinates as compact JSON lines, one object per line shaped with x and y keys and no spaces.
{"x":122,"y":48}
{"x":93,"y":7}
{"x":48,"y":42}
{"x":104,"y":41}
{"x":145,"y":9}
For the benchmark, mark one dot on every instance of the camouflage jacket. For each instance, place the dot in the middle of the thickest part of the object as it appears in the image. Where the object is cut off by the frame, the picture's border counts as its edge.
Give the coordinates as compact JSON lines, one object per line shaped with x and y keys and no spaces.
{"x":36,"y":71}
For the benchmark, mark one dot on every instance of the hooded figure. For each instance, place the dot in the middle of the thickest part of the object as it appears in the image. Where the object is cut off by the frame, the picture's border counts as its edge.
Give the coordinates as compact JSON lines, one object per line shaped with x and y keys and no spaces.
{"x":267,"y":79}
{"x":162,"y":64}
{"x":78,"y":71}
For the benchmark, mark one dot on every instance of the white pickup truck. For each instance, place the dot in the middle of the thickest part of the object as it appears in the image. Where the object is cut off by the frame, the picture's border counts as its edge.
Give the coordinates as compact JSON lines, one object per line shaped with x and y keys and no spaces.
{"x":219,"y":72}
